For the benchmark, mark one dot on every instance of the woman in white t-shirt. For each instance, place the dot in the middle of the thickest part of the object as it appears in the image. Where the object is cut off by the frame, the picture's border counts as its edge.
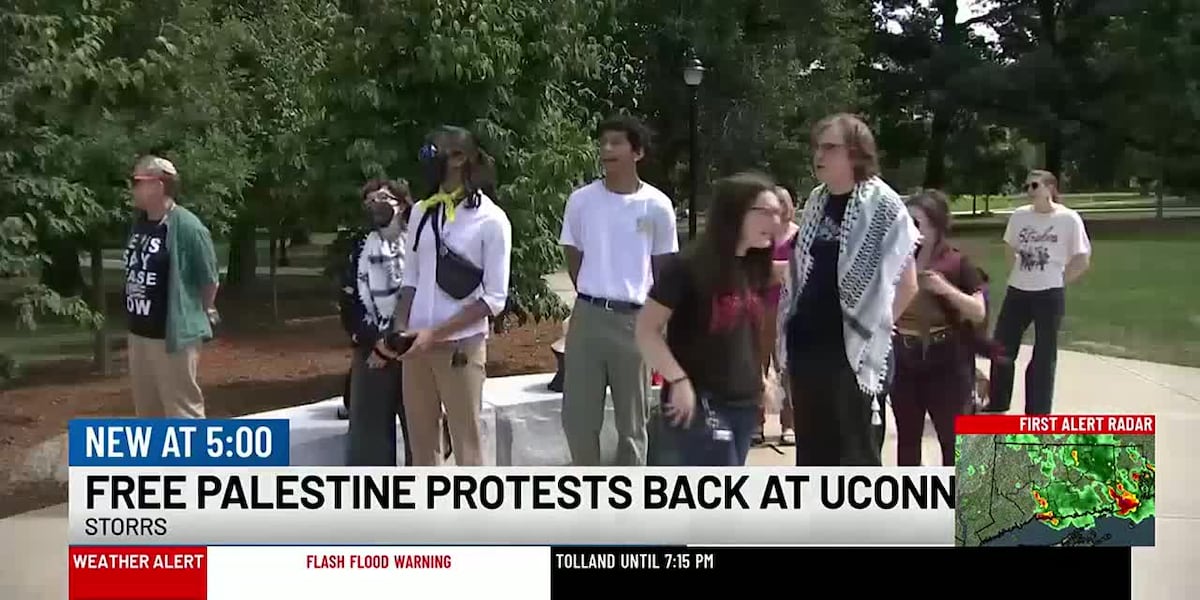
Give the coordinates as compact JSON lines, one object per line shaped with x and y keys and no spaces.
{"x":1049,"y":248}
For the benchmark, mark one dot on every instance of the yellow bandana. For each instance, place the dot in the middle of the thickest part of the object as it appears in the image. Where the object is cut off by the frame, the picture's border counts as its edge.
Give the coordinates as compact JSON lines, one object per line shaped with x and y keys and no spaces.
{"x":448,"y":199}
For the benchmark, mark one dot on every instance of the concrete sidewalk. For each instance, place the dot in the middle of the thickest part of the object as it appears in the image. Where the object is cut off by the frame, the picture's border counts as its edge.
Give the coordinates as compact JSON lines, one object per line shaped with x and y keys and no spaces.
{"x":33,"y":554}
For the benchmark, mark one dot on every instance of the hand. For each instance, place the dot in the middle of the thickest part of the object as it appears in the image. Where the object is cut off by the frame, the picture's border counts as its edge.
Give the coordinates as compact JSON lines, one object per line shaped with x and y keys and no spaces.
{"x":934,"y":283}
{"x":422,"y":340}
{"x":381,"y":355}
{"x":681,"y":403}
{"x":375,"y":361}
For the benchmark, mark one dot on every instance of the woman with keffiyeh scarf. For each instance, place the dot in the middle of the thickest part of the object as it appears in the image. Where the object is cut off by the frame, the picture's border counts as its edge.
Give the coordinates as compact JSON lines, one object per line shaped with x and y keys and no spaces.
{"x":850,"y":276}
{"x":371,"y":290}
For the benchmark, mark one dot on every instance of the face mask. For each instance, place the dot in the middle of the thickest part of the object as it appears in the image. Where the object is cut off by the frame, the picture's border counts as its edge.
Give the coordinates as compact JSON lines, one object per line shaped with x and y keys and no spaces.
{"x":380,"y":214}
{"x":433,"y":167}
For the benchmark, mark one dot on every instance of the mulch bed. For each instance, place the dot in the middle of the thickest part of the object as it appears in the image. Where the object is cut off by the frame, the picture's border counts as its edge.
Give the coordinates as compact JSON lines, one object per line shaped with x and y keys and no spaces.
{"x":240,"y":373}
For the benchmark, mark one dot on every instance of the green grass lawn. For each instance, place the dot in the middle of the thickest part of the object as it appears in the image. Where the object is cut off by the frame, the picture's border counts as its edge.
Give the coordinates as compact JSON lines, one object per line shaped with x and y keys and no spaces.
{"x":1139,"y":300}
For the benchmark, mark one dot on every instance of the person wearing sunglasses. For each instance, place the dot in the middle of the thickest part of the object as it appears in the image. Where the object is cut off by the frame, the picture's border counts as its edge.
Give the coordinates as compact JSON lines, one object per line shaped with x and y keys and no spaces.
{"x":850,"y":275}
{"x":934,"y":357}
{"x":455,"y":281}
{"x":1048,"y":248}
{"x":371,"y":290}
{"x":616,"y":233}
{"x":710,"y":301}
{"x":171,"y":282}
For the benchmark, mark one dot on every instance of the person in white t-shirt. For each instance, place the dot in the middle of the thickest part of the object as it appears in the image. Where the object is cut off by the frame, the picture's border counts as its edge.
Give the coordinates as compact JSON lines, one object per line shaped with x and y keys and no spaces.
{"x":616,"y":231}
{"x":1049,"y":249}
{"x":455,"y":279}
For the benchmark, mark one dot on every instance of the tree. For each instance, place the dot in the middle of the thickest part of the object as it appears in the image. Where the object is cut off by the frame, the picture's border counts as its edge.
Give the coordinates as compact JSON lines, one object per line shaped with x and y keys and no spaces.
{"x":520,"y":73}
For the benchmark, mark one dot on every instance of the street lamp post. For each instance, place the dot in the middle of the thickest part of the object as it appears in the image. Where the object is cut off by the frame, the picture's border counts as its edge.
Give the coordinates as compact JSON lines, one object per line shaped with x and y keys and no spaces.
{"x":693,"y":74}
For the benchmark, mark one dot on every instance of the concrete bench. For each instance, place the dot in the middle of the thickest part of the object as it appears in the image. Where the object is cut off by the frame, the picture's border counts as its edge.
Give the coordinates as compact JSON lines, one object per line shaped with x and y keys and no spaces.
{"x":521,"y":422}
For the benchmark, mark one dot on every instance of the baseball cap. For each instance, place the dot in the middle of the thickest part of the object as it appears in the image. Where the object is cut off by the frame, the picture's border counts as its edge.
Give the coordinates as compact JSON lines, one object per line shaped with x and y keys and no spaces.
{"x":154,"y":166}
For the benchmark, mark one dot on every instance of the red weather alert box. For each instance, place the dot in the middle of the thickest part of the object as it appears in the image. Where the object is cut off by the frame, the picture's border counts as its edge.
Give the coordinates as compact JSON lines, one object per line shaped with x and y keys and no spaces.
{"x":138,"y":573}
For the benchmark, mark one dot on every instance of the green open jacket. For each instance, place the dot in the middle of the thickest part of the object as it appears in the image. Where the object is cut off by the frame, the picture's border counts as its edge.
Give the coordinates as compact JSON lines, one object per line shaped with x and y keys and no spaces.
{"x":193,"y":268}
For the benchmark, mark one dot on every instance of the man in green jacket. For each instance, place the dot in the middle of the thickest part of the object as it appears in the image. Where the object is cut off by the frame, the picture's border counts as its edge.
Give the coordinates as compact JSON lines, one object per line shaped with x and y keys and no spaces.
{"x":171,"y":281}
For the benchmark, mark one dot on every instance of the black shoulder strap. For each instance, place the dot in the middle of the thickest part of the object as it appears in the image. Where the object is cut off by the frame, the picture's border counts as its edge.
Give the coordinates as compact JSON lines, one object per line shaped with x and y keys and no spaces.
{"x":437,"y":234}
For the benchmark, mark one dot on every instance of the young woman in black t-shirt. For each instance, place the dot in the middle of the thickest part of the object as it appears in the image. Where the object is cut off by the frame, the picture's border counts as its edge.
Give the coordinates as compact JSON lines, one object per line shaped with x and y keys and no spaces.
{"x":710,"y":300}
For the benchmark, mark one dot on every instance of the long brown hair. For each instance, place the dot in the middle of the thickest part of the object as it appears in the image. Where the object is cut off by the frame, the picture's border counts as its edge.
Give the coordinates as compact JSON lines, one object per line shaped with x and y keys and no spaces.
{"x":936,"y":207}
{"x":714,"y":257}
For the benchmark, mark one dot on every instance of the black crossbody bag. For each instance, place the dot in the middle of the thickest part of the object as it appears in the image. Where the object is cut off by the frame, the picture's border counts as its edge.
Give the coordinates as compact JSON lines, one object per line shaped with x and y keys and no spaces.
{"x":456,"y":275}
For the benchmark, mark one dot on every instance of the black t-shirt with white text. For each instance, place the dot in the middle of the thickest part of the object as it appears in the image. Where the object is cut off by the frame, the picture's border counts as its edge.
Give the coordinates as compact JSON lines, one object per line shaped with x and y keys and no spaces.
{"x":147,"y":267}
{"x":816,"y":325}
{"x":713,"y":338}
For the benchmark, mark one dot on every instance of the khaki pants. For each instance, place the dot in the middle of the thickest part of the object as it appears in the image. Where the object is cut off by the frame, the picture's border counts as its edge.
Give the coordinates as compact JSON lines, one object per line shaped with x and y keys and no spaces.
{"x":602,"y":354}
{"x":433,"y":380}
{"x":164,"y":385}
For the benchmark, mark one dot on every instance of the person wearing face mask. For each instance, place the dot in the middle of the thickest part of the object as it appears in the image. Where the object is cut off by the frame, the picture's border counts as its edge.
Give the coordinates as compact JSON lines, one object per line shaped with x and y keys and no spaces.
{"x":371,"y":292}
{"x":456,"y":279}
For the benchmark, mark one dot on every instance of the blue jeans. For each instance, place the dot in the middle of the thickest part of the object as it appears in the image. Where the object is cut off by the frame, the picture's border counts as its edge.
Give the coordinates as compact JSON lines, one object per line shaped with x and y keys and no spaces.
{"x":697,"y":447}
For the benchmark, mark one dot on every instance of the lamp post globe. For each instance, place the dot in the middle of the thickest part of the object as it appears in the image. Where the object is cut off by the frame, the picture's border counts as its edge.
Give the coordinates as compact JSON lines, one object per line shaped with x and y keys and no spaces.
{"x":693,"y":72}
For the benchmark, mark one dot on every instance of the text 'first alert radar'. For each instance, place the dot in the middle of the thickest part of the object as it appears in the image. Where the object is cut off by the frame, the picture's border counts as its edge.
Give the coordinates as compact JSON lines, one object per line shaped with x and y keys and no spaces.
{"x":494,"y":492}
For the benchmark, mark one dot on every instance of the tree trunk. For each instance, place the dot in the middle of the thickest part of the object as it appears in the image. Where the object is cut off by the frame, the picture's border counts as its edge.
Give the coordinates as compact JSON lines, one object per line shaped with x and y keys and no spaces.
{"x":276,"y":241}
{"x":1054,"y":152}
{"x":946,"y":59}
{"x":63,"y":274}
{"x":243,"y":253}
{"x":282,"y":242}
{"x":100,"y":346}
{"x":935,"y":159}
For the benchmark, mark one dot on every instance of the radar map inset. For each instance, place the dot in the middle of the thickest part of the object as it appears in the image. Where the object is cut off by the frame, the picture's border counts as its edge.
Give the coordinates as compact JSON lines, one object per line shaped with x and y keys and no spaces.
{"x":1025,"y":489}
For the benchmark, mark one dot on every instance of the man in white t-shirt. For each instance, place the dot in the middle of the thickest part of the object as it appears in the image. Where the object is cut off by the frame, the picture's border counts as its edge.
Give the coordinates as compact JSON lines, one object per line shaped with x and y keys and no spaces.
{"x":1048,"y":247}
{"x":615,"y":232}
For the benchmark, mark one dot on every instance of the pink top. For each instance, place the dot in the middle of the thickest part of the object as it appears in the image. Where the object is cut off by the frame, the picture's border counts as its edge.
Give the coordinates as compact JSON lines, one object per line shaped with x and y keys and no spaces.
{"x":783,"y":251}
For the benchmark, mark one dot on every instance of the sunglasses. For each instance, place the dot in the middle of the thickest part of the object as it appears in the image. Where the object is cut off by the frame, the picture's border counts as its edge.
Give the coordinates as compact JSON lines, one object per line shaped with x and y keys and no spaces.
{"x":1032,"y":185}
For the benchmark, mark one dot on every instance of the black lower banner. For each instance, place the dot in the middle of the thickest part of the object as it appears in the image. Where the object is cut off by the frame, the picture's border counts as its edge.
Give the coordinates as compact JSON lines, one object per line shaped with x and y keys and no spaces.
{"x":1039,"y":570}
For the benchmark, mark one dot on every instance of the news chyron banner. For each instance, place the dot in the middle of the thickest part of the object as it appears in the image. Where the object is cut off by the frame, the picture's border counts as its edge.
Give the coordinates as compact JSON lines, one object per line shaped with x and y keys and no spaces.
{"x":187,"y":509}
{"x":1055,"y":480}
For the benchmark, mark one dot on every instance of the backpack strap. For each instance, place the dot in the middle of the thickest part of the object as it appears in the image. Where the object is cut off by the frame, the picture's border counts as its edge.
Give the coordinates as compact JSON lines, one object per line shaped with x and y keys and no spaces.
{"x":437,"y":234}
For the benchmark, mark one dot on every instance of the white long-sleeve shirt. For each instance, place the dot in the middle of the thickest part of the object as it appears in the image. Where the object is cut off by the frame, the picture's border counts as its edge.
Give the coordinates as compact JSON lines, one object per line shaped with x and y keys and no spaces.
{"x":482,"y":235}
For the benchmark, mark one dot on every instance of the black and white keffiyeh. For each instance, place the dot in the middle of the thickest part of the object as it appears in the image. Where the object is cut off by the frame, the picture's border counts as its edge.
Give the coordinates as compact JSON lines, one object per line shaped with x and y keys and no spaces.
{"x":380,"y":273}
{"x":878,"y":238}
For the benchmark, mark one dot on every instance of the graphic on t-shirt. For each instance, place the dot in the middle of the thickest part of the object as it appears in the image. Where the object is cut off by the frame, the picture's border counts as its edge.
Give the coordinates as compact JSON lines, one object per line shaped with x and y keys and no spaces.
{"x":143,"y":273}
{"x":1033,"y":252}
{"x":729,"y":309}
{"x":829,"y":230}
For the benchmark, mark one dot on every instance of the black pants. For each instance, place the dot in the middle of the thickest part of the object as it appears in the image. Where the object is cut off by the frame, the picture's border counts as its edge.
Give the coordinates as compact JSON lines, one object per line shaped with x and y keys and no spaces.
{"x":932,"y":377}
{"x":832,"y":415}
{"x":375,"y":403}
{"x":1044,"y":309}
